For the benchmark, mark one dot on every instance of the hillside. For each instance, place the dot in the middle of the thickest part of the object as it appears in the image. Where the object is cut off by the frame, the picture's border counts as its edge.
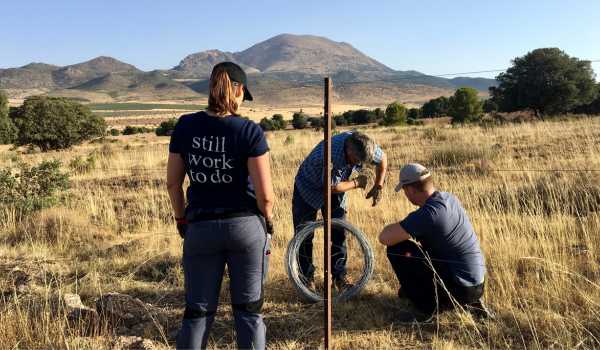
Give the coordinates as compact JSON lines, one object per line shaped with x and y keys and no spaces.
{"x":77,"y":74}
{"x":284,"y":69}
{"x":150,"y":84}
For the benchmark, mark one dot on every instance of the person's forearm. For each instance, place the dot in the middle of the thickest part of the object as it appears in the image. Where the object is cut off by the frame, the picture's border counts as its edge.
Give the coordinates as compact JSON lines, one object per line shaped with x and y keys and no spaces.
{"x":177,"y":200}
{"x":344,"y":186}
{"x":380,"y":171}
{"x":265,"y":205}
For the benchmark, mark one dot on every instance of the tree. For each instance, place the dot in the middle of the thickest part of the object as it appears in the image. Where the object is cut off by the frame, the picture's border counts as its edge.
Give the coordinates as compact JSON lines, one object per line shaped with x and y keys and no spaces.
{"x":437,"y":107}
{"x":53,"y":123}
{"x":465,"y":105}
{"x":363,"y":116}
{"x":395,"y":114}
{"x":316,"y":122}
{"x":266,"y":124}
{"x":547,"y":81}
{"x":414,"y":114}
{"x":8,"y":131}
{"x":593,"y":107}
{"x":278,"y":122}
{"x":340,"y":120}
{"x":166,"y":128}
{"x":299,"y":120}
{"x":489,"y":106}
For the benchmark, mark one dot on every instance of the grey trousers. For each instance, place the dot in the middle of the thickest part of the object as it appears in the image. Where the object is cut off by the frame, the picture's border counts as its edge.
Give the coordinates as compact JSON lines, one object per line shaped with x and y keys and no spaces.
{"x":243,"y":245}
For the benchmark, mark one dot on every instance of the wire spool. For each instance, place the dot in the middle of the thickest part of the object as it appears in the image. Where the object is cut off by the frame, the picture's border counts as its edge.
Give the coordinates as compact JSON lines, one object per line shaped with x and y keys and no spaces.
{"x":364,"y":252}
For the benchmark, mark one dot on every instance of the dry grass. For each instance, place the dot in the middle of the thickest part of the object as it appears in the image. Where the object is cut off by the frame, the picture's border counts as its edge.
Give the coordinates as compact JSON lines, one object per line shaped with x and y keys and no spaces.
{"x":540,"y":232}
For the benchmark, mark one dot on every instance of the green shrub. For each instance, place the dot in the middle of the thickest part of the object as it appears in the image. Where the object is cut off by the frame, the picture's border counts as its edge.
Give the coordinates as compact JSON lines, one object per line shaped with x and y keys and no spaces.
{"x":278,"y":122}
{"x":132,"y":130}
{"x":266,"y":124}
{"x":289,"y":140}
{"x":465,"y":106}
{"x":316,"y":122}
{"x":8,"y":131}
{"x":83,"y":165}
{"x":299,"y":120}
{"x":414,"y":113}
{"x":340,"y":120}
{"x":32,"y":188}
{"x":435,"y":108}
{"x":395,"y":114}
{"x":53,"y":123}
{"x":114,"y":132}
{"x":166,"y":128}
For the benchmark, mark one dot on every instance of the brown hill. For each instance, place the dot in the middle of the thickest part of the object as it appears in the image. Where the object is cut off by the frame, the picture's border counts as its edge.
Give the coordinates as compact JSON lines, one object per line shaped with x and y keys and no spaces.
{"x":32,"y":76}
{"x":307,"y":54}
{"x":77,"y":74}
{"x":199,"y":65}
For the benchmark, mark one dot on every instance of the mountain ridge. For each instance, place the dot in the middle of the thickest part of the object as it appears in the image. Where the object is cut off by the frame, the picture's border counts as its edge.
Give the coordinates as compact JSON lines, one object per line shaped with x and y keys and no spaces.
{"x":286,"y":61}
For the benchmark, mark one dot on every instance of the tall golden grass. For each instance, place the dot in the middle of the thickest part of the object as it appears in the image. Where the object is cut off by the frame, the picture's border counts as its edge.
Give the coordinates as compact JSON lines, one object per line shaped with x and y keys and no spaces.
{"x":538,"y":222}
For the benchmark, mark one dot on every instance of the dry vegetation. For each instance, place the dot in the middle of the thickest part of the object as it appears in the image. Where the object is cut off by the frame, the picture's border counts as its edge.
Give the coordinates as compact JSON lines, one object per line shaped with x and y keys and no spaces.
{"x":113,"y":232}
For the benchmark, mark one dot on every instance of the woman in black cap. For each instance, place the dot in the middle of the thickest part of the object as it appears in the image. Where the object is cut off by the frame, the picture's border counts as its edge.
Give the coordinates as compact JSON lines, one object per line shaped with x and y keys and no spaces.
{"x":227,"y":220}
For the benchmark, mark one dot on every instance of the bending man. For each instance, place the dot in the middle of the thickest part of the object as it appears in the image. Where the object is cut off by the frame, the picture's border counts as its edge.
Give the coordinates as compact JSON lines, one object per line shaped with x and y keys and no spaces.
{"x":349,"y":152}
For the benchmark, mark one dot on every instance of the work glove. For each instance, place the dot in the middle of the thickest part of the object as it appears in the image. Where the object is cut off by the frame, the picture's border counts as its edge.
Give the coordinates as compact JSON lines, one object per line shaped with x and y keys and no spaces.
{"x":182,"y":225}
{"x":375,"y":193}
{"x":361,"y":181}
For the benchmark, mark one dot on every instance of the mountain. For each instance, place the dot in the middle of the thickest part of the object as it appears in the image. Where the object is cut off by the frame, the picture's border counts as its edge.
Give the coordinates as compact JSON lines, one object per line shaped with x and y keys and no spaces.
{"x":33,"y":76}
{"x":284,"y":69}
{"x":199,"y":65}
{"x":77,"y":74}
{"x":307,"y":54}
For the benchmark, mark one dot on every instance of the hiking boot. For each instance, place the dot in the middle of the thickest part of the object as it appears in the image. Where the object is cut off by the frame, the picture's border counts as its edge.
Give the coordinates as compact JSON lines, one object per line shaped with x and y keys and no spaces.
{"x":342,"y":284}
{"x":479,"y":310}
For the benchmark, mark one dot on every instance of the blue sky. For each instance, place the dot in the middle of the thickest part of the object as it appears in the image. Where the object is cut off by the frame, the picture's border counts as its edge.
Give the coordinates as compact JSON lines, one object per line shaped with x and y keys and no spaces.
{"x":434,"y":37}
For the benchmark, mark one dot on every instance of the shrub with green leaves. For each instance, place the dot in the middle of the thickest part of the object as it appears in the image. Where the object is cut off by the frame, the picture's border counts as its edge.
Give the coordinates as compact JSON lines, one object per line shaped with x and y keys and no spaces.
{"x":465,"y":105}
{"x":114,"y":132}
{"x":166,"y":128}
{"x":53,"y":123}
{"x":28,"y":189}
{"x":8,"y":131}
{"x":132,"y":130}
{"x":395,"y":114}
{"x":278,"y":122}
{"x":80,"y":164}
{"x":435,"y":108}
{"x":299,"y":120}
{"x":266,"y":124}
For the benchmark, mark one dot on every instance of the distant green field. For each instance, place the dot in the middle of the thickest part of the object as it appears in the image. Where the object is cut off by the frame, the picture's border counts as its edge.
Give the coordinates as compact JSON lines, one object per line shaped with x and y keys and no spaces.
{"x":142,"y":106}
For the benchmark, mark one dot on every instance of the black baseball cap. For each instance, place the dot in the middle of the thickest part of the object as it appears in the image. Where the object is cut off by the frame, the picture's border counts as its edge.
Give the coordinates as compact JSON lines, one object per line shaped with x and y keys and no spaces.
{"x":237,"y":74}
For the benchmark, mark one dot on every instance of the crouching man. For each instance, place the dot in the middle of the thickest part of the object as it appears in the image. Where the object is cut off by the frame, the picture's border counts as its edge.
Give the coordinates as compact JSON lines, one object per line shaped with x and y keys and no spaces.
{"x":447,"y":257}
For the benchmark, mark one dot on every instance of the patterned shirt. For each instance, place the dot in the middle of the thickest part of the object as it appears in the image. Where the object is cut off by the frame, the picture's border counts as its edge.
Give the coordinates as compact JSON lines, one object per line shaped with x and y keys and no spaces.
{"x":309,"y":180}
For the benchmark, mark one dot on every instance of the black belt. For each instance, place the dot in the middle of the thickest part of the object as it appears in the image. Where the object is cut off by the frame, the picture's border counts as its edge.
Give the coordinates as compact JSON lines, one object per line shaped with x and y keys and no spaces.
{"x":219,"y":216}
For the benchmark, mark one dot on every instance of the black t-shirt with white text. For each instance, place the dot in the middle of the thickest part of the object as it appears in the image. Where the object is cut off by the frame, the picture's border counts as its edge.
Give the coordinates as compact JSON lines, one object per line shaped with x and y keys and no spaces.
{"x":215,"y":151}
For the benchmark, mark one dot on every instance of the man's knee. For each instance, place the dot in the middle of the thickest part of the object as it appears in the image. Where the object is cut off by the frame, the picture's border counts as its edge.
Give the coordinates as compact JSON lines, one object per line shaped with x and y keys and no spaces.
{"x":191,"y":313}
{"x":253,"y":307}
{"x":406,"y":248}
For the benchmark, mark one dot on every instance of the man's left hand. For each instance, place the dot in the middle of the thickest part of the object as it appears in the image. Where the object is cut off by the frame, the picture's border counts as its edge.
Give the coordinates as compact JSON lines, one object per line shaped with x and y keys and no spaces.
{"x":375,"y":193}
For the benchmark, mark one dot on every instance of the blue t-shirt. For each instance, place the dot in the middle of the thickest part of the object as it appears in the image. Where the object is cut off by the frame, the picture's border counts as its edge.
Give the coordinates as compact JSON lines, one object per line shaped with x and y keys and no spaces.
{"x":444,"y":230}
{"x":216,"y":151}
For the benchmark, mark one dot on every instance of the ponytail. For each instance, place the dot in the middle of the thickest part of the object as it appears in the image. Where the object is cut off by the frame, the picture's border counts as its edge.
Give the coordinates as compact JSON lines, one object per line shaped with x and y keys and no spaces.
{"x":221,"y":98}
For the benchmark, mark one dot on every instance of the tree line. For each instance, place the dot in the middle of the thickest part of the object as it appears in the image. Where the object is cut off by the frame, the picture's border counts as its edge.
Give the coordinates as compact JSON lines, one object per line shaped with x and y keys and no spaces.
{"x":545,"y":81}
